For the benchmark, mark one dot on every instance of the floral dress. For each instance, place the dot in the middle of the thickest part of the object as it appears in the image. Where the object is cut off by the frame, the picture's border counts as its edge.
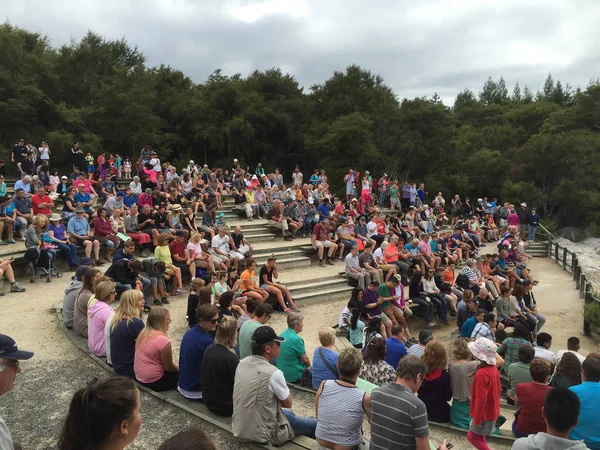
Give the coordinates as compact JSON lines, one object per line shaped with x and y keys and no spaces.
{"x":378,"y":373}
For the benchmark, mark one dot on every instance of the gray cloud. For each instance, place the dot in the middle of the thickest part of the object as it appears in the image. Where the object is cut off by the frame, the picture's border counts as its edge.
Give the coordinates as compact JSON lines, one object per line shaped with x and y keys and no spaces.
{"x":418,"y":47}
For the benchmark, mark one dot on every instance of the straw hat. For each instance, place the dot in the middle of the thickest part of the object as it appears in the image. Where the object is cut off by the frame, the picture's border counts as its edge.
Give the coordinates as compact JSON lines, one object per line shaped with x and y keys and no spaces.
{"x":484,"y":350}
{"x":176,"y":207}
{"x":55,"y":218}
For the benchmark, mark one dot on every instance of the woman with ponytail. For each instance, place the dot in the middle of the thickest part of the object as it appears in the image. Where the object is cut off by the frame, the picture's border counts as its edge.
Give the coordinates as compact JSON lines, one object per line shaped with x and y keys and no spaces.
{"x":103,"y":415}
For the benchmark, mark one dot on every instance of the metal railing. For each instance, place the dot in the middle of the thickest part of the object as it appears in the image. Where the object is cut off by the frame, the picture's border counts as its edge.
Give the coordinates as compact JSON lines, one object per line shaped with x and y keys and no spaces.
{"x":569,"y":262}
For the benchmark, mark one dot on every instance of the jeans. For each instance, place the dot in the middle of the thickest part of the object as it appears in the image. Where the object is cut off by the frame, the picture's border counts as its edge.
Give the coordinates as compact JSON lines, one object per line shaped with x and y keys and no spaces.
{"x":382,"y":197}
{"x":70,"y":252}
{"x":440,"y":304}
{"x":302,"y":425}
{"x":531,"y":229}
{"x":541,"y":320}
{"x":120,"y":287}
{"x":426,"y":306}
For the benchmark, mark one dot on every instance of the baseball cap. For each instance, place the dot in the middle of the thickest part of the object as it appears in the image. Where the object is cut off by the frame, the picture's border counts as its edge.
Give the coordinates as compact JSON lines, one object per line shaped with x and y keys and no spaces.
{"x":9,"y":349}
{"x":191,"y":161}
{"x":120,"y":194}
{"x":265,"y":334}
{"x":85,"y":262}
{"x":81,"y":271}
{"x":64,"y":177}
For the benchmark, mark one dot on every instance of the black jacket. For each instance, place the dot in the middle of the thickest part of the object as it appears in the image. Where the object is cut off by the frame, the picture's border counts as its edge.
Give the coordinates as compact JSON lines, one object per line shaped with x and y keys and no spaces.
{"x":120,"y":271}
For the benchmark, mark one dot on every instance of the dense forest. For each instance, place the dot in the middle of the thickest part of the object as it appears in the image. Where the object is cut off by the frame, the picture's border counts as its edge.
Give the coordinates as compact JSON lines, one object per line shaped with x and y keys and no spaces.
{"x":541,"y":148}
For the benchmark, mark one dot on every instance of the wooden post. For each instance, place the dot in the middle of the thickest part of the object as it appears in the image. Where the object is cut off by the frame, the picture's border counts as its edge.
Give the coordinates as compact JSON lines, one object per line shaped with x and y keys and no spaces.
{"x":564,"y":258}
{"x":577,"y":274}
{"x":556,"y":253}
{"x":573,"y":264}
{"x":587,"y":299}
{"x":549,"y":247}
{"x":581,"y":285}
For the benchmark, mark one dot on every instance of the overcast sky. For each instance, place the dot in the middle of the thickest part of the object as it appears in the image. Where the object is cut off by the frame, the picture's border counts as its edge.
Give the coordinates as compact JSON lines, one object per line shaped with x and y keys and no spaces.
{"x":419,"y":46}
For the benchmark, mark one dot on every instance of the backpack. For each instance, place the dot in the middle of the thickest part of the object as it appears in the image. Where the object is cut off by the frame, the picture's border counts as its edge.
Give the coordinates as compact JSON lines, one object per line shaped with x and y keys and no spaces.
{"x":462,"y":281}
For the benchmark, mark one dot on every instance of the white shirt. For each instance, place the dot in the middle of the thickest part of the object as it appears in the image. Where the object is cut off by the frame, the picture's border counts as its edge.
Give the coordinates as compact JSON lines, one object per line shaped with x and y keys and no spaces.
{"x":6,"y":441}
{"x":44,"y":153}
{"x":544,"y":353}
{"x":156,"y":164}
{"x":278,"y":385}
{"x":344,"y":315}
{"x":297,"y":177}
{"x":372,"y":228}
{"x":561,"y":353}
{"x":378,"y":256}
{"x":221,"y":243}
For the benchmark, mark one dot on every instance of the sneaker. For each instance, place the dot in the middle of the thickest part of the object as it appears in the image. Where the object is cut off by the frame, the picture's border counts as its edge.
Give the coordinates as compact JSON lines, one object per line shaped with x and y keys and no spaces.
{"x":321,"y":263}
{"x":11,"y":241}
{"x":99,"y":262}
{"x":180,"y":291}
{"x":288,"y":238}
{"x":330,"y":262}
{"x":157,"y":302}
{"x":22,"y":239}
{"x":16,"y":287}
{"x":165,"y":301}
{"x":431,"y":324}
{"x":147,"y":309}
{"x":3,"y":243}
{"x":445,"y":322}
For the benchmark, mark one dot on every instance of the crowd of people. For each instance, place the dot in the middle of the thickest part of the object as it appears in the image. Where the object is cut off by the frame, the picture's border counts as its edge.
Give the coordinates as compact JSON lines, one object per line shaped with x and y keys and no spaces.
{"x":232,"y":361}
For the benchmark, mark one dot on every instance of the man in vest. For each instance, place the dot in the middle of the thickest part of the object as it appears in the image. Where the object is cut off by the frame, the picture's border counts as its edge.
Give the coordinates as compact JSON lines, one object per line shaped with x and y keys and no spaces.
{"x":260,"y":395}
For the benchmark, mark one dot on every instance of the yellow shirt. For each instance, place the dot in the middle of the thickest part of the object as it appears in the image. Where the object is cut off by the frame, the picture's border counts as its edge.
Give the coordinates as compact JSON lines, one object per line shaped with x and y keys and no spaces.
{"x":248,"y":280}
{"x":164,"y":254}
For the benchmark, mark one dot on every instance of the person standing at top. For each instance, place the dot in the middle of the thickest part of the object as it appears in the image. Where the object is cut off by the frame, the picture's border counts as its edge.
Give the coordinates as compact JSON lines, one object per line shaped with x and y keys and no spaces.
{"x":349,"y":180}
{"x":45,"y":152}
{"x":405,"y":200}
{"x":523,"y":214}
{"x":10,"y":357}
{"x":533,"y":220}
{"x":297,"y":176}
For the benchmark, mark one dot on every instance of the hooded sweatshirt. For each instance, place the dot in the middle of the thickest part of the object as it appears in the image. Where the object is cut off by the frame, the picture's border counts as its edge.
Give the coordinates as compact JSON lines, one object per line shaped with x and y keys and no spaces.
{"x":98,"y":314}
{"x":544,"y":441}
{"x":71,"y":293}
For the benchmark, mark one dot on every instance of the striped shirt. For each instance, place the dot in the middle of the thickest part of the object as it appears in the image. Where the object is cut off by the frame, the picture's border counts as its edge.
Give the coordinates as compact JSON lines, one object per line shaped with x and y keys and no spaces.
{"x":397,"y":418}
{"x":416,"y":350}
{"x":341,"y":414}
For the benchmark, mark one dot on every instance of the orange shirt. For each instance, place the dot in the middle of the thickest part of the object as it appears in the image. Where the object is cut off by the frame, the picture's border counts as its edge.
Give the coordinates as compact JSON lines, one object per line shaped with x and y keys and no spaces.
{"x":448,"y":276}
{"x":390,"y":254}
{"x":248,"y":280}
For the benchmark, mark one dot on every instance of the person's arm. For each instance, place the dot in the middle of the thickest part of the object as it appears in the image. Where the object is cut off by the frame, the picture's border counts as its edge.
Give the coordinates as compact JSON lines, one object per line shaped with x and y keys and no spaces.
{"x":166,"y":357}
{"x":367,"y":405}
{"x":304,"y":359}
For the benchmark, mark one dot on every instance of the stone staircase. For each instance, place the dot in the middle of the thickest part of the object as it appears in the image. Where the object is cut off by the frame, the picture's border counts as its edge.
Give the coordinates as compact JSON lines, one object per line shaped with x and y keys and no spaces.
{"x":324,"y":289}
{"x":538,"y":249}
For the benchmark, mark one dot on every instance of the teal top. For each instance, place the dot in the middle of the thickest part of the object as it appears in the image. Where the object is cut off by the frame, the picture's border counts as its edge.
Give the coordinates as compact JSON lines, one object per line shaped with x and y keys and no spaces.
{"x":289,"y":358}
{"x":356,"y":335}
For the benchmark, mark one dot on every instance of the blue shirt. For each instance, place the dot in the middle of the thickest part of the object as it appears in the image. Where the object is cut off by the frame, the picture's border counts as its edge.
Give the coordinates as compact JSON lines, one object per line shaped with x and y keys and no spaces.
{"x":79,"y":227}
{"x":395,"y":351}
{"x":467,"y":329}
{"x":320,"y":372}
{"x":323,"y":212}
{"x":587,"y":428}
{"x":21,"y":185}
{"x":82,"y":198}
{"x":194,"y":342}
{"x":128,"y":200}
{"x":122,"y":345}
{"x":421,"y":194}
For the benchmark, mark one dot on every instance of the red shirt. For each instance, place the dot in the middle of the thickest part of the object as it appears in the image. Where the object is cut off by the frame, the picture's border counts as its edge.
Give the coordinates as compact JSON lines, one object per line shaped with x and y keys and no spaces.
{"x":531,"y":396}
{"x":177,"y":248}
{"x":485,"y":395}
{"x":35,"y":204}
{"x":321,"y":232}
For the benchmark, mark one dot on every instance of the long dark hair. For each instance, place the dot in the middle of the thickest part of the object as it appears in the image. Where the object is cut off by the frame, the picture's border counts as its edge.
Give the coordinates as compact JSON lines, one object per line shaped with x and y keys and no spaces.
{"x":95,"y":411}
{"x":354,"y":318}
{"x":569,"y":366}
{"x":374,"y":351}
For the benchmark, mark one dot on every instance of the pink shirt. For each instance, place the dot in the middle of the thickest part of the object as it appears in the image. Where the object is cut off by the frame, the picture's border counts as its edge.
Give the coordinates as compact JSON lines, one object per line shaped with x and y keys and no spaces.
{"x":424,"y":247}
{"x":513,"y":220}
{"x":147,"y":364}
{"x":98,"y":314}
{"x":86,"y":183}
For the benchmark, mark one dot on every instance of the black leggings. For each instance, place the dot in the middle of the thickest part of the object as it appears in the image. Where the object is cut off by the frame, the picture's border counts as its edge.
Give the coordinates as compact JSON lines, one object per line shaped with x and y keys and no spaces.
{"x":165,"y":383}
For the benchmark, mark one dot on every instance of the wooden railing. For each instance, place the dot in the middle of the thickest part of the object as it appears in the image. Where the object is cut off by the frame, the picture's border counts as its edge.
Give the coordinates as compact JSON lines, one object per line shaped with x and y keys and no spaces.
{"x":569,"y":262}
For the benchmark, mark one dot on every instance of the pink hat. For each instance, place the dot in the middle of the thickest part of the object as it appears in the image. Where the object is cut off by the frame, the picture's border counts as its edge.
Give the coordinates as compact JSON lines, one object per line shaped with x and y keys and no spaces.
{"x":484,"y":350}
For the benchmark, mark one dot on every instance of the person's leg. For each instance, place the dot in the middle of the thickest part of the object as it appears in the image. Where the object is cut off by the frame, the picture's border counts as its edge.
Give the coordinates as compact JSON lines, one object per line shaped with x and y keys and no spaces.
{"x":277,"y":293}
{"x":320,"y":251}
{"x":426,"y":307}
{"x":255,"y":295}
{"x":120,"y":288}
{"x":440,"y":304}
{"x":358,"y":277}
{"x":96,"y":248}
{"x":390,"y":314}
{"x":87,"y":248}
{"x":286,"y":292}
{"x":541,"y":320}
{"x":478,"y":441}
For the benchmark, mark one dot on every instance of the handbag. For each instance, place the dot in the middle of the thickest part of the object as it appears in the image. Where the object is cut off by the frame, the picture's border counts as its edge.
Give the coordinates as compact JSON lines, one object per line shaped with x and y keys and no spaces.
{"x":332,"y":369}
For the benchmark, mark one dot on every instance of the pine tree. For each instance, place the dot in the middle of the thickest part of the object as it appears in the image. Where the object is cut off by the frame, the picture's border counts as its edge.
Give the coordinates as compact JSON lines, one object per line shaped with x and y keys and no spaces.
{"x":527,"y":95}
{"x":516,"y":95}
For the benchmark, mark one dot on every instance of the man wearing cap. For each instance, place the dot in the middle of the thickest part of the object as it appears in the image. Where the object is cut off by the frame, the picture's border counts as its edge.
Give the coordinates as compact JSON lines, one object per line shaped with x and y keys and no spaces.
{"x":533,"y":220}
{"x":261,"y":396}
{"x":78,"y":228}
{"x":523,"y":213}
{"x":41,"y":202}
{"x":114,"y":202}
{"x":10,"y":355}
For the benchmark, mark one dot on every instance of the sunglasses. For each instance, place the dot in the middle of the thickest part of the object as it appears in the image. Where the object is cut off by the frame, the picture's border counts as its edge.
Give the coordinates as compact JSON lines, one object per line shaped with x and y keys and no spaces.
{"x":215,"y":321}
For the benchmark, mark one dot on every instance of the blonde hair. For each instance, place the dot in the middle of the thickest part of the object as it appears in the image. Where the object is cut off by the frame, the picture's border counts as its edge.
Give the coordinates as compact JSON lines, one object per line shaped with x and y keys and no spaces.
{"x":104,"y":289}
{"x":226,"y":332}
{"x":156,"y":322}
{"x":435,"y":356}
{"x":128,"y":307}
{"x":468,"y":295}
{"x":197,"y":284}
{"x":460,"y":349}
{"x":162,"y":239}
{"x":39,"y":221}
{"x":326,"y":336}
{"x":195,"y":238}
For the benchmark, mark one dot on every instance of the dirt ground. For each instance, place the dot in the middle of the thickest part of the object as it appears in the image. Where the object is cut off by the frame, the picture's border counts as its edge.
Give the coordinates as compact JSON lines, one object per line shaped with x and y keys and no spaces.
{"x":34,"y":410}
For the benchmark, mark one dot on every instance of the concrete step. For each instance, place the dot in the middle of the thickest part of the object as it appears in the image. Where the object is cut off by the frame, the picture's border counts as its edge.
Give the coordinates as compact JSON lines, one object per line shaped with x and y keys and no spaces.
{"x":264,"y":254}
{"x":264,"y":237}
{"x":302,"y":282}
{"x":319,"y":285}
{"x":250,"y":227}
{"x":288,"y":262}
{"x":324,"y":295}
